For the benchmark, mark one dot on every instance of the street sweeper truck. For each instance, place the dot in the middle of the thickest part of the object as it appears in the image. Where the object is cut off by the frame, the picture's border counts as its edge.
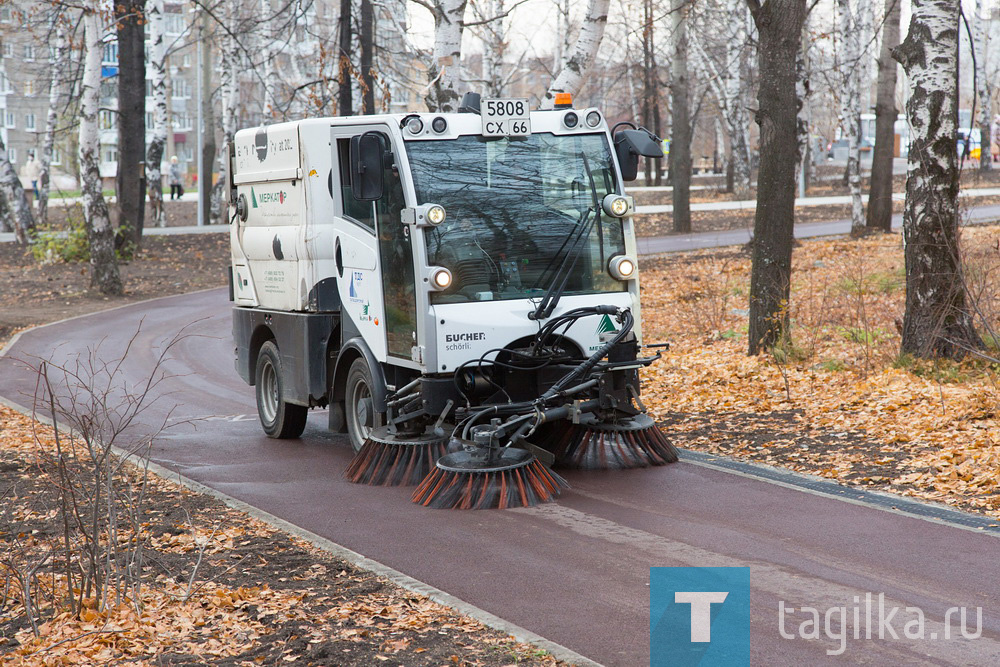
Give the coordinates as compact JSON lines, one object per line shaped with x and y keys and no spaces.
{"x":459,"y":290}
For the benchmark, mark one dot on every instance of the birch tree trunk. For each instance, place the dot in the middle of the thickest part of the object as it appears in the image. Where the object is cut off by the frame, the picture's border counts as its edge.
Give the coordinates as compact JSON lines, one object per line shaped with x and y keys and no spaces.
{"x":981,"y":36}
{"x":850,"y":109}
{"x":680,"y":121}
{"x":937,"y":322}
{"x":650,"y":87}
{"x":494,"y":46}
{"x":158,"y":79}
{"x":18,"y":208}
{"x":56,"y":74}
{"x":736,"y":99}
{"x":578,"y":60}
{"x":268,"y":55}
{"x":880,"y":193}
{"x":103,"y":264}
{"x":779,"y":25}
{"x":802,"y":96}
{"x":445,"y":69}
{"x":229,"y":57}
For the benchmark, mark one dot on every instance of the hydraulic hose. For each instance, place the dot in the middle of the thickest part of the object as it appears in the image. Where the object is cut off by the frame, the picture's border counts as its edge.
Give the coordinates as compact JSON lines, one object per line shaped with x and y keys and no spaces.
{"x":627,"y":321}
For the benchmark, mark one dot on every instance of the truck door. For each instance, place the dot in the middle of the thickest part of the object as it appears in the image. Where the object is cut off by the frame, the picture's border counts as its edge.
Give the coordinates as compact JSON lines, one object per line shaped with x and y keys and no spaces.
{"x":380,"y":299}
{"x":396,"y":261}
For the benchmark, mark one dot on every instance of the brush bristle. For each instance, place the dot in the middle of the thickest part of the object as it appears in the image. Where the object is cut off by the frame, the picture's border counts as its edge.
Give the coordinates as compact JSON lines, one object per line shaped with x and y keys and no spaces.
{"x":524,"y":486}
{"x":380,"y":463}
{"x":604,"y":447}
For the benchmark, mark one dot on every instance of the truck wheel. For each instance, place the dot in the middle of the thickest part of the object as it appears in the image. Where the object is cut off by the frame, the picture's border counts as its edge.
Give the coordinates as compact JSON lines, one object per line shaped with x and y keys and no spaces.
{"x":278,"y":418}
{"x":360,"y":408}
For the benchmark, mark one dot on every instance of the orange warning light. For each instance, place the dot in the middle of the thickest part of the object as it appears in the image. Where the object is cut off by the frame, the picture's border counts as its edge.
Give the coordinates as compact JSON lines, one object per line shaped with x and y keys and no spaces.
{"x":563,"y":100}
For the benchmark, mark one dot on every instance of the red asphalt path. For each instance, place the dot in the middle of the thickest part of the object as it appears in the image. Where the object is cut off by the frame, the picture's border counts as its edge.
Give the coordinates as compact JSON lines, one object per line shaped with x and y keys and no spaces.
{"x":575,"y":571}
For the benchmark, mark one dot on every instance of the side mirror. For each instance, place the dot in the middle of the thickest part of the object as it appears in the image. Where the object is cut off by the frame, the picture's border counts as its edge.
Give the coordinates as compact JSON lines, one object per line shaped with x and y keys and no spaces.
{"x":367,"y":153}
{"x":629,"y":145}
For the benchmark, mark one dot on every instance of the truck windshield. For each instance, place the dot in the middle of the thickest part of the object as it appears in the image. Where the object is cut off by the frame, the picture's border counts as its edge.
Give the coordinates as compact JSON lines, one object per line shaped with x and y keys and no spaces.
{"x":514,"y":208}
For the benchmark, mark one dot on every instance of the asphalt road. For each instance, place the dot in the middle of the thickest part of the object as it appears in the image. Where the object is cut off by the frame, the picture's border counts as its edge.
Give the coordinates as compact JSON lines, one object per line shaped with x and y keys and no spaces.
{"x":653,"y":245}
{"x":575,"y":571}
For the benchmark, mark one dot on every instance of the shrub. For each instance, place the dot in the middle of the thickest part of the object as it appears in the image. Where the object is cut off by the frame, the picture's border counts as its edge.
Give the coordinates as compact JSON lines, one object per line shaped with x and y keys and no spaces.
{"x":50,"y":246}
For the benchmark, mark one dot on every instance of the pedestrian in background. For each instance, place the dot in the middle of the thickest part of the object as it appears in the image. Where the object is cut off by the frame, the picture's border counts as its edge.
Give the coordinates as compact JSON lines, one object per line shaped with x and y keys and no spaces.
{"x":32,"y":171}
{"x":175,"y":179}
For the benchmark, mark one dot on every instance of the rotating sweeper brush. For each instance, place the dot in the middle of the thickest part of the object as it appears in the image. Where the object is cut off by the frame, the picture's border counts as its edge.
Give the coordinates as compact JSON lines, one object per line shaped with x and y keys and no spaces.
{"x":395,"y":459}
{"x":488,"y":476}
{"x":630,"y":442}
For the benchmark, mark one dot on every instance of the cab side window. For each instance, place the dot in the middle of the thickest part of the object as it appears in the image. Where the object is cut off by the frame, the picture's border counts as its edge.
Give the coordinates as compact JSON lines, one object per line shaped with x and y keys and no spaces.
{"x":396,"y":253}
{"x":361,"y":211}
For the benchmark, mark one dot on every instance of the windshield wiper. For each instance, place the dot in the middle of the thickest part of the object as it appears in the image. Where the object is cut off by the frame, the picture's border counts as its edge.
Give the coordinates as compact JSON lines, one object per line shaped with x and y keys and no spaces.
{"x":565,"y":269}
{"x":585,"y":225}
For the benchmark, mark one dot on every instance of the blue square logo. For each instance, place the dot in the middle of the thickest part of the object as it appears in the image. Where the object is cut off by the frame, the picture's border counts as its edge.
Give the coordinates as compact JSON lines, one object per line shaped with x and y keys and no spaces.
{"x":699,"y":616}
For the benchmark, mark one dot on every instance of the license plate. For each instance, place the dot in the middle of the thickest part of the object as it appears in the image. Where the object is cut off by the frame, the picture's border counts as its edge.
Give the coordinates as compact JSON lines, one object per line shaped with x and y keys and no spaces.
{"x":506,"y":118}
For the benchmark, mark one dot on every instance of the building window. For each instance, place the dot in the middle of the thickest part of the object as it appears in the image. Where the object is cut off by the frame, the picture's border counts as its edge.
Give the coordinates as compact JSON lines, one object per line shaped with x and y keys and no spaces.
{"x":181,"y":88}
{"x":111,"y":154}
{"x":150,"y":120}
{"x":110,"y":54}
{"x":29,"y":87}
{"x":5,"y":84}
{"x":5,"y":14}
{"x":182,"y":121}
{"x":149,"y":88}
{"x":173,"y":24}
{"x":8,"y":50}
{"x":11,"y":121}
{"x":56,"y":156}
{"x":186,"y":60}
{"x":12,"y":155}
{"x":29,"y":122}
{"x":29,"y":51}
{"x":53,"y":52}
{"x":106,"y":119}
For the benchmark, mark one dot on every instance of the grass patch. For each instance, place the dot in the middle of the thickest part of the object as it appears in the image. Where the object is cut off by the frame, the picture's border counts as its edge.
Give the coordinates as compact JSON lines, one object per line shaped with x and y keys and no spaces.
{"x":832,"y":366}
{"x":878,"y":282}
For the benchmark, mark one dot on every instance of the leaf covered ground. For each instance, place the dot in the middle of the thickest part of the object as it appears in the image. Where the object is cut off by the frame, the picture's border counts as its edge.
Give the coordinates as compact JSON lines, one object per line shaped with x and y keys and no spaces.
{"x":218,"y":587}
{"x":838,"y":400}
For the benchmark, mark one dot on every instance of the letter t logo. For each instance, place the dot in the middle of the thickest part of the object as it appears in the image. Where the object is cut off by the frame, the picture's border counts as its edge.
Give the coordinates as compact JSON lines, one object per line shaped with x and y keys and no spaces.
{"x":701,"y":611}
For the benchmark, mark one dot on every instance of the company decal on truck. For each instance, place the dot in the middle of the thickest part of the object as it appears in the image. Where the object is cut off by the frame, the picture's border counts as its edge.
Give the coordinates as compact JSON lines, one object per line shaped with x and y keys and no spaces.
{"x":604,"y":326}
{"x":462,"y":341}
{"x":271,"y":203}
{"x":267,"y":197}
{"x":355,"y":286}
{"x":274,"y":281}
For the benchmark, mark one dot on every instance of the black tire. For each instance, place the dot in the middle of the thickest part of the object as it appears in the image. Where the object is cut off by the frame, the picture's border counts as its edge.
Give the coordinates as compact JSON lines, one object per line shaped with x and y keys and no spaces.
{"x":361,"y":414}
{"x":278,"y":418}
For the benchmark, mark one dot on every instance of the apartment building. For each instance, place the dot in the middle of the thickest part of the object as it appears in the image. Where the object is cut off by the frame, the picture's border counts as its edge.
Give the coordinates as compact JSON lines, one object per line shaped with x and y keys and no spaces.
{"x":26,"y":66}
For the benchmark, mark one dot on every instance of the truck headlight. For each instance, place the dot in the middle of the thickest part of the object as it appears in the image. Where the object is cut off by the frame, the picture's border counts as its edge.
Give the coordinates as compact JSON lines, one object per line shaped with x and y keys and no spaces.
{"x":439,"y":278}
{"x":593,"y":119}
{"x":436,"y":214}
{"x":414,"y":125}
{"x":621,"y":267}
{"x":616,"y":205}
